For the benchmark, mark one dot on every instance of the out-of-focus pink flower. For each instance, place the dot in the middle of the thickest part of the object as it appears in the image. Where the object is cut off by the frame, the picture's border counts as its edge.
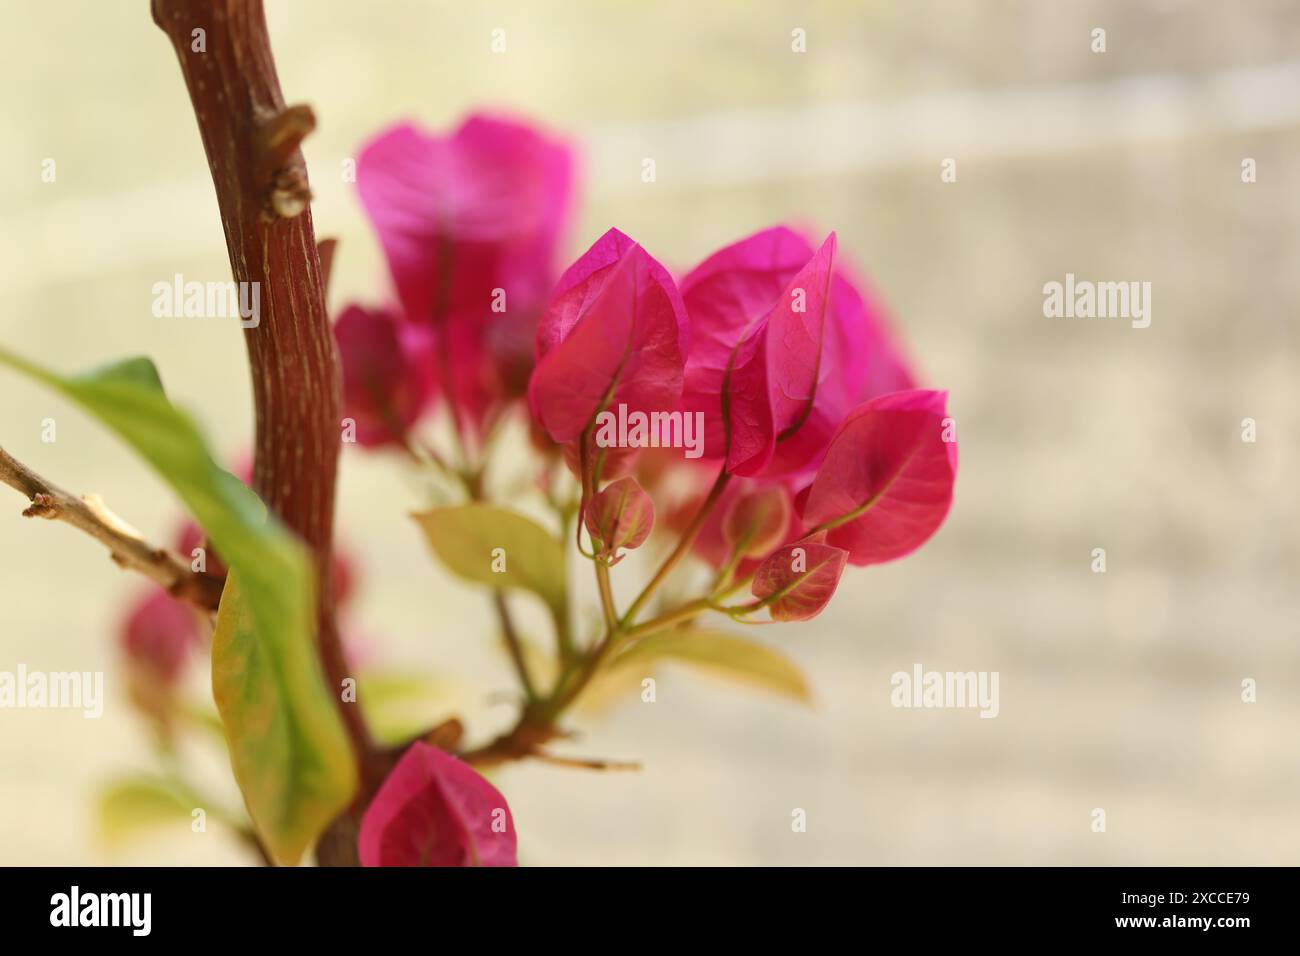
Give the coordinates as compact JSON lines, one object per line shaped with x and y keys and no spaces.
{"x":387,"y":373}
{"x":615,"y":333}
{"x":715,"y":543}
{"x":886,"y":482}
{"x":757,"y":520}
{"x":160,"y":635}
{"x":879,"y":361}
{"x":343,"y":578}
{"x":792,"y":345}
{"x":435,"y":810}
{"x":470,"y":224}
{"x":191,"y":539}
{"x":361,"y":649}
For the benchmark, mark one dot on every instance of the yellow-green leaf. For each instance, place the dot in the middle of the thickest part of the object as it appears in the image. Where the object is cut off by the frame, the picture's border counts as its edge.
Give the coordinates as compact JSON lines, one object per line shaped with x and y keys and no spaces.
{"x":133,"y":805}
{"x":287,"y":744}
{"x":399,"y":704}
{"x":497,"y":547}
{"x":721,"y":653}
{"x":288,"y":748}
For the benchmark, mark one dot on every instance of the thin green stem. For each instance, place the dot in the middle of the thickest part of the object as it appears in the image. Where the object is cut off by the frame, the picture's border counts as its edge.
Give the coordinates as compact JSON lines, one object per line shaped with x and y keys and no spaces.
{"x":723,"y":578}
{"x":563,"y":634}
{"x":560,"y":618}
{"x":606,"y":595}
{"x":683,"y":547}
{"x":602,"y":569}
{"x":514,"y":645}
{"x":664,"y":621}
{"x":537,"y":723}
{"x":726,"y":590}
{"x":428,"y":457}
{"x":472,"y":482}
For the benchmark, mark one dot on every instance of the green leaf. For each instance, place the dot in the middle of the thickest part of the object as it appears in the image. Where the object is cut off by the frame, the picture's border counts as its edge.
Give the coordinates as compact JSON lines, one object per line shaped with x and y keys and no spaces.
{"x":398,"y":705}
{"x":132,"y":805}
{"x":718,"y":652}
{"x":466,"y":537}
{"x":289,"y":751}
{"x":287,"y":744}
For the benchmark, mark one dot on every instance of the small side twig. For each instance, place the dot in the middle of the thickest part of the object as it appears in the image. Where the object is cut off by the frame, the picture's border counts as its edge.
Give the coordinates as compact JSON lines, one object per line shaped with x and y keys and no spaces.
{"x":279,"y":166}
{"x":125,"y":544}
{"x":586,"y":763}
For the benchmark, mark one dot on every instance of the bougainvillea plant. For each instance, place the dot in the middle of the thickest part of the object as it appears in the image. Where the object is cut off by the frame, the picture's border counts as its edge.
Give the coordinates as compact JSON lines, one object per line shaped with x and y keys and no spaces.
{"x":750,"y":424}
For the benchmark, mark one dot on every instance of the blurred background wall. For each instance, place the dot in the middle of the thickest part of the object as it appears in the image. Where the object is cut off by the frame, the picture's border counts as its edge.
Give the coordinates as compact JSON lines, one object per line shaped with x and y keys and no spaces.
{"x":1119,"y":691}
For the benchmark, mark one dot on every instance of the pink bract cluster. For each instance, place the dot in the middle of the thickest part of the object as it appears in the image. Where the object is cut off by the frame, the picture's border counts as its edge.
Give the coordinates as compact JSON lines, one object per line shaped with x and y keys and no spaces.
{"x":769,"y":371}
{"x":800,"y":384}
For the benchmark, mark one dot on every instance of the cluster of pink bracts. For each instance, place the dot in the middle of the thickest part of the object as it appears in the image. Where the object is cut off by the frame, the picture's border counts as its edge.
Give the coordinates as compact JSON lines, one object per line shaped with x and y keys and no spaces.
{"x":801,"y":392}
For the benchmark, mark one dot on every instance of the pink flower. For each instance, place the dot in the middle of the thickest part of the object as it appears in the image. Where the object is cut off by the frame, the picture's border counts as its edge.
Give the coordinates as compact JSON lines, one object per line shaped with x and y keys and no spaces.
{"x":784,"y":346}
{"x":757,"y":520}
{"x":160,"y":635}
{"x":387,"y":380}
{"x":470,"y":223}
{"x":754,"y":513}
{"x":435,"y":810}
{"x":879,"y":364}
{"x":615,"y":332}
{"x":886,"y":482}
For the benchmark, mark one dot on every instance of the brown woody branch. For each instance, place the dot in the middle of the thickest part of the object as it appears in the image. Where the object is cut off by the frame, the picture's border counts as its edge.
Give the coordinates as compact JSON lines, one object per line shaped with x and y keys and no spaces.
{"x":125,"y":545}
{"x":252,"y":139}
